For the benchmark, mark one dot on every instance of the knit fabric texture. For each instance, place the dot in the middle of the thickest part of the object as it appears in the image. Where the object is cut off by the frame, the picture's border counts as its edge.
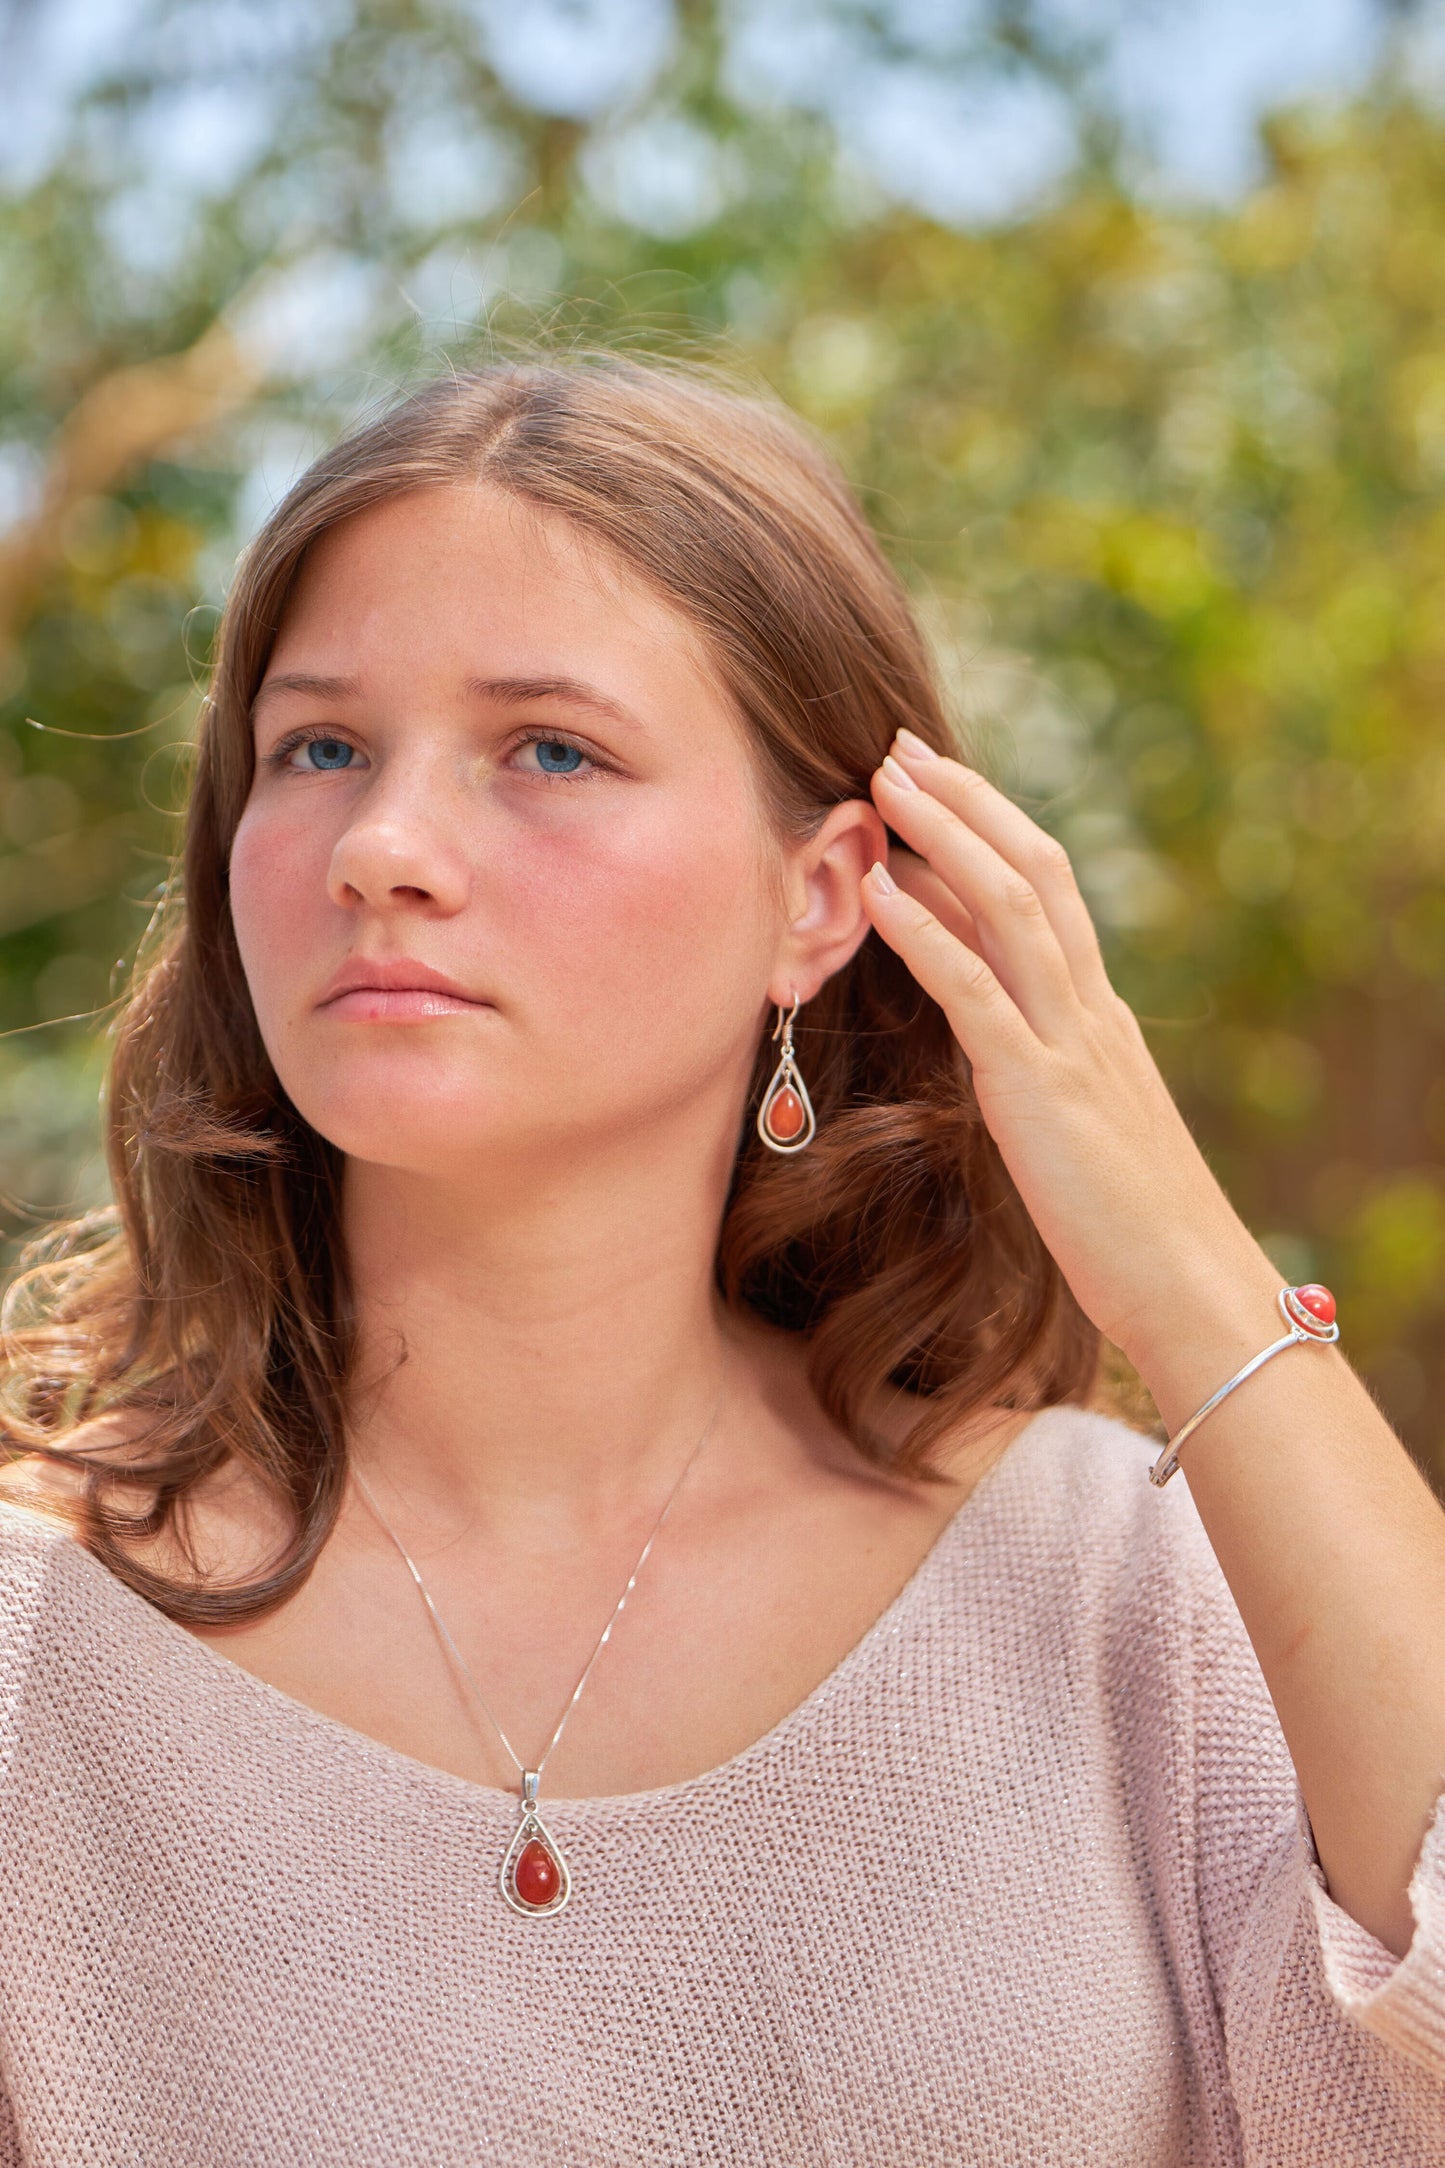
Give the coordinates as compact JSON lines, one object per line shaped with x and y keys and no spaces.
{"x":1027,"y":1879}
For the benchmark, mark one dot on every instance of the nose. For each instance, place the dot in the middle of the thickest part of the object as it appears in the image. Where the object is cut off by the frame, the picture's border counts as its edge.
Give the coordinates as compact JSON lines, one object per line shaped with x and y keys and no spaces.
{"x":396,"y":852}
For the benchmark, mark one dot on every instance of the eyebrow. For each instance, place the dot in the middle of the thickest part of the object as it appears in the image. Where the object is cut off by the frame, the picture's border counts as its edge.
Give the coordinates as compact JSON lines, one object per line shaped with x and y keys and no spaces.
{"x":301,"y":681}
{"x":517,"y":691}
{"x":510,"y":691}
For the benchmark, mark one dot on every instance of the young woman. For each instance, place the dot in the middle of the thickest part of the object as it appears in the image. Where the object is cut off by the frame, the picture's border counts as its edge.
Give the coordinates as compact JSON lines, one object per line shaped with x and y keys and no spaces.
{"x":568,"y":1594}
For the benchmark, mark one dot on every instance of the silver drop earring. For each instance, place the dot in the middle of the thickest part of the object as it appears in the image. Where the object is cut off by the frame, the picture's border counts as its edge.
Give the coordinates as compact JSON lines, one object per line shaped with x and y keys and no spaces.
{"x":785,"y":1118}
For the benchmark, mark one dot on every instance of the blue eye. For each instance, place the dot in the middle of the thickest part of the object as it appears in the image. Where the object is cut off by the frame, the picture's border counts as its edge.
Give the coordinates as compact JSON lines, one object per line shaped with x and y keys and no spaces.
{"x":556,"y":757}
{"x":333,"y":753}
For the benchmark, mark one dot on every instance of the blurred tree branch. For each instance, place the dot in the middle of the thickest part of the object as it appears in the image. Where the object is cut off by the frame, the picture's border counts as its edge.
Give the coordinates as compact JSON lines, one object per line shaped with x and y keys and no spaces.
{"x":125,"y":419}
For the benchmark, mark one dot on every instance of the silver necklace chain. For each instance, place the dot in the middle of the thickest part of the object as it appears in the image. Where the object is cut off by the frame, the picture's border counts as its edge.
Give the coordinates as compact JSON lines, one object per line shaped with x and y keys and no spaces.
{"x":441,"y":1625}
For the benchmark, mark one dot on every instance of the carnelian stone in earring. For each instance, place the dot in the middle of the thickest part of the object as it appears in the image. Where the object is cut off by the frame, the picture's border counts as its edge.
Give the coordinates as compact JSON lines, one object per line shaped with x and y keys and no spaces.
{"x":535,"y":1877}
{"x":785,"y":1116}
{"x":1318,"y":1301}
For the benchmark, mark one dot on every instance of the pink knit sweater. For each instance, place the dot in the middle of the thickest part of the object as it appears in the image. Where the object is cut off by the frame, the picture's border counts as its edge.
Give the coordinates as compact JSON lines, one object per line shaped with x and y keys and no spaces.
{"x":1026,"y":1880}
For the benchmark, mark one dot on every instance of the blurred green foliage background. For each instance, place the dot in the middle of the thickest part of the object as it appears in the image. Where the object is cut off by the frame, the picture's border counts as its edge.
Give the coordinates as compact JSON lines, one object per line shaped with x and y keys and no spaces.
{"x":1168,"y":483}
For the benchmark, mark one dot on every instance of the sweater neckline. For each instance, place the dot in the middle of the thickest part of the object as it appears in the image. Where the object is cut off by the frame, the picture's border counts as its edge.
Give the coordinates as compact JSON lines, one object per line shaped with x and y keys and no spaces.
{"x":392,"y":1761}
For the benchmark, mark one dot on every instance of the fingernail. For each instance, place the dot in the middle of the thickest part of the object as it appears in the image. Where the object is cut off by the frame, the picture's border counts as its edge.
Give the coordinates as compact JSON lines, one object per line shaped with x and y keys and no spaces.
{"x":882,"y":880}
{"x":897,"y":775}
{"x":910,"y":744}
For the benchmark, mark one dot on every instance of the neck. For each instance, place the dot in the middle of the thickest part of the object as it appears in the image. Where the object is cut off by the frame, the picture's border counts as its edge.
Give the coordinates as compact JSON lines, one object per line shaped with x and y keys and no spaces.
{"x":541,"y":1364}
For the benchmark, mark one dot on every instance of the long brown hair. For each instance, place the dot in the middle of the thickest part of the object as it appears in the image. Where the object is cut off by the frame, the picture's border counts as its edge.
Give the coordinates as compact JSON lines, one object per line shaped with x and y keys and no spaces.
{"x":209,"y":1306}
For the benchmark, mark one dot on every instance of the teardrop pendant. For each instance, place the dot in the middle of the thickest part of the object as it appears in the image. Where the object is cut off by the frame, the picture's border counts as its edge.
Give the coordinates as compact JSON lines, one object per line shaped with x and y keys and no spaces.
{"x":534,"y":1879}
{"x":785,"y":1118}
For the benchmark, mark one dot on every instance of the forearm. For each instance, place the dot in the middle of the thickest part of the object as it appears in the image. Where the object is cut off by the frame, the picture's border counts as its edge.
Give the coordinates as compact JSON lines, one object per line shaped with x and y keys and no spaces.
{"x":1333,"y":1546}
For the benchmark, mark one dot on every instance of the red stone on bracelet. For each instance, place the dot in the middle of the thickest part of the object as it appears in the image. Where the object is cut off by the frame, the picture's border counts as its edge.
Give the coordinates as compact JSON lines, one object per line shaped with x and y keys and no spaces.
{"x":1317,"y":1300}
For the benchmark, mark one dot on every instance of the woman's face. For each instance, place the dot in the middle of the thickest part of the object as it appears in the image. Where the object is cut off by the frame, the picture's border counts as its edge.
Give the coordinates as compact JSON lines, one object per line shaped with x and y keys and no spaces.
{"x":489,"y":752}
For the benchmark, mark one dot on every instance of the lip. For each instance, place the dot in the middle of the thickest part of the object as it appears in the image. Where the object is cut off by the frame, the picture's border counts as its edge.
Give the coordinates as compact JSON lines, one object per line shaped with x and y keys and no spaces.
{"x":397,"y":986}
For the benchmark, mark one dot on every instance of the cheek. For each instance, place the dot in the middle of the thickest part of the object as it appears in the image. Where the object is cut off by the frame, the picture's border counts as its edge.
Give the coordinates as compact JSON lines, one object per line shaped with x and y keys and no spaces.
{"x":273,"y":875}
{"x":660,"y":905}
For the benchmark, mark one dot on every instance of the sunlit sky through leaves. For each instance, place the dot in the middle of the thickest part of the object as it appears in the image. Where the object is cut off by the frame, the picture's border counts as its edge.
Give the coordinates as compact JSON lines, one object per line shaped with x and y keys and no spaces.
{"x":1189,"y":78}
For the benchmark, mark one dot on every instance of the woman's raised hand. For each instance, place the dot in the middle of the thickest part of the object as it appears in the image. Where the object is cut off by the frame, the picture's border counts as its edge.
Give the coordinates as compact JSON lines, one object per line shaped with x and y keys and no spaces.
{"x":992,"y":925}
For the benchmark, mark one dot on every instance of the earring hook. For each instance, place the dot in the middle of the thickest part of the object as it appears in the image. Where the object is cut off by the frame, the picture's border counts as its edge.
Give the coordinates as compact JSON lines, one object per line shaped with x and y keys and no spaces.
{"x":788,"y":1020}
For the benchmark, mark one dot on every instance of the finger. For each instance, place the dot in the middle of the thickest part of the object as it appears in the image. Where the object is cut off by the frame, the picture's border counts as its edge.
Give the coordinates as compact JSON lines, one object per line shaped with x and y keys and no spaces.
{"x":917,"y":878}
{"x":982,"y":1016}
{"x":1040,"y":857}
{"x":1019,"y":942}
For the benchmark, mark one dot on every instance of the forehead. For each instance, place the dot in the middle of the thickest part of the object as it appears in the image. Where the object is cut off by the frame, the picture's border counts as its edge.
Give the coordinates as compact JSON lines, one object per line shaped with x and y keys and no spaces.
{"x":465,"y":587}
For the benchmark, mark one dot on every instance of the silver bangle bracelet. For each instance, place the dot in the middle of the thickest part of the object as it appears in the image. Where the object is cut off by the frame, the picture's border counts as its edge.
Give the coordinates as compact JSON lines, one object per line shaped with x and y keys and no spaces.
{"x":1309,"y":1311}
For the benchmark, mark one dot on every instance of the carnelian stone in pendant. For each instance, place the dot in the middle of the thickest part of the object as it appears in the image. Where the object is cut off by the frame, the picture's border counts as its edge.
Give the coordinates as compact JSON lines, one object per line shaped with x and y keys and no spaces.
{"x":785,"y":1116}
{"x":535,"y":1877}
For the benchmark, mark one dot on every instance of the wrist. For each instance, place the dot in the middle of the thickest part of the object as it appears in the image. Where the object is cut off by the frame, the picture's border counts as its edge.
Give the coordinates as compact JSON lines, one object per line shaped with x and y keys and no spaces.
{"x":1212,"y":1315}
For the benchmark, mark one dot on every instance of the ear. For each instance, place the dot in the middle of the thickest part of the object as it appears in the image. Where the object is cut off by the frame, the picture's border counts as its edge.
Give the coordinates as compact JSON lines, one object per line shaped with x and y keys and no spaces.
{"x":826,"y":920}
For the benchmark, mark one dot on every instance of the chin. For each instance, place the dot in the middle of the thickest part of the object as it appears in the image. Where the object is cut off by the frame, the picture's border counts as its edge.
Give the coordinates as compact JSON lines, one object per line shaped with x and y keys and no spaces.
{"x":438,"y":1132}
{"x":426,"y":1132}
{"x":398,"y":1151}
